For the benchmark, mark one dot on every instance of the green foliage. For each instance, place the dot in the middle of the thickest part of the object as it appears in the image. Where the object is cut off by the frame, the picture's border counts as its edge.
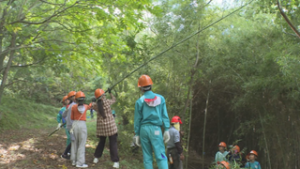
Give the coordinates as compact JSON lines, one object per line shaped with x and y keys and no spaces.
{"x":19,"y":113}
{"x":251,"y":59}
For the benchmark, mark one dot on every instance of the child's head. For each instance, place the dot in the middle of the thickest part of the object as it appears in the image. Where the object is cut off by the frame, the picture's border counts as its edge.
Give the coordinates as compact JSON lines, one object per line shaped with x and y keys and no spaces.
{"x":99,"y":95}
{"x":253,"y":155}
{"x":176,"y":122}
{"x":71,"y":96}
{"x":236,"y":149}
{"x":65,"y":100}
{"x":223,"y":165}
{"x":222,"y":146}
{"x":80,"y":97}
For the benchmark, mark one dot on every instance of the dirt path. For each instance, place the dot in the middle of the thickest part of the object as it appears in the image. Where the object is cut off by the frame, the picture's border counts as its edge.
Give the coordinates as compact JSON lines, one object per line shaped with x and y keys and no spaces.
{"x":34,"y":149}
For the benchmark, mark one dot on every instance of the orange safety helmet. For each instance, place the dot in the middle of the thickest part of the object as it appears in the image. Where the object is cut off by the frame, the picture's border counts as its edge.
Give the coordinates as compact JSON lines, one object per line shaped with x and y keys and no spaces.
{"x":71,"y":93}
{"x":222,"y":144}
{"x":99,"y":92}
{"x":176,"y":119}
{"x":254,"y":152}
{"x":79,"y":95}
{"x":247,"y":156}
{"x":144,"y":80}
{"x":64,"y":98}
{"x":225,"y":164}
{"x":237,"y":148}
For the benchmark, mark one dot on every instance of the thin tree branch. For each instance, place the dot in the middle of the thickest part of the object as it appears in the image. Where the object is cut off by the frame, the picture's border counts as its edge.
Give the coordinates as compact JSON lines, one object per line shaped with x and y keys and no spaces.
{"x":46,"y":2}
{"x":34,"y":63}
{"x":287,"y":19}
{"x":46,"y":20}
{"x":86,"y":30}
{"x":11,"y":83}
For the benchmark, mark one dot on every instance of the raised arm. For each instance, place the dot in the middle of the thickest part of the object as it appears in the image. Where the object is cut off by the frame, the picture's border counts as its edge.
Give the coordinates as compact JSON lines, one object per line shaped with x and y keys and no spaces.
{"x":112,"y":100}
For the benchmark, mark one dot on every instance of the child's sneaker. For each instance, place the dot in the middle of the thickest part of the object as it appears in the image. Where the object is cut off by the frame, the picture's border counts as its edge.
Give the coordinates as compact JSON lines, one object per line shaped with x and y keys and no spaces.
{"x":116,"y":165}
{"x":74,"y":163}
{"x":65,"y":157}
{"x":96,"y":160}
{"x":82,"y":166}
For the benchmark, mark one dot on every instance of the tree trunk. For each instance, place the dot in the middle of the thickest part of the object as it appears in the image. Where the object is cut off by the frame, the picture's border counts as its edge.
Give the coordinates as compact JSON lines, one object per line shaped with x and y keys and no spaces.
{"x":5,"y":73}
{"x":190,"y":96}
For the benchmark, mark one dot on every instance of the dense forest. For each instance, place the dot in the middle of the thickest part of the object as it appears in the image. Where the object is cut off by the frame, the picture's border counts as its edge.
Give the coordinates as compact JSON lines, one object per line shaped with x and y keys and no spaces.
{"x":228,"y":68}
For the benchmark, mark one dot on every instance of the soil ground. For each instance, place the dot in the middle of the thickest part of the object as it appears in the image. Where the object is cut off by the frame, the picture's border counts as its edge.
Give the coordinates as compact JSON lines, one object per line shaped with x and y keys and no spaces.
{"x":34,"y":149}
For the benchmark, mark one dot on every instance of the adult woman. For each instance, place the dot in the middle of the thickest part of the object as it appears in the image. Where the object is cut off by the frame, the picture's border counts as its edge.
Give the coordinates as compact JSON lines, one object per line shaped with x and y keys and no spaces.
{"x":106,"y":126}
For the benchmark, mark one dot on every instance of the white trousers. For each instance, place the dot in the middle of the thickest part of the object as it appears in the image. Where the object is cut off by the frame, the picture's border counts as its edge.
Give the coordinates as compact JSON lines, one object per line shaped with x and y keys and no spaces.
{"x":78,"y":145}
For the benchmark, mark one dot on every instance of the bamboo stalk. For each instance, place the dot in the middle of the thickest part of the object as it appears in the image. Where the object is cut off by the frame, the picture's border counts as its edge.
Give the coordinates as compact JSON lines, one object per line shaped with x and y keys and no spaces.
{"x":204,"y":126}
{"x":190,"y":119}
{"x":261,"y":122}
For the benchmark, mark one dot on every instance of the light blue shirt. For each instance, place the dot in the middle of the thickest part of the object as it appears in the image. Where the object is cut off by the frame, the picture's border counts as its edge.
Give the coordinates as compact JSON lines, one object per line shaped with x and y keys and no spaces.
{"x":221,"y":156}
{"x":155,"y":114}
{"x":254,"y":165}
{"x":174,"y":137}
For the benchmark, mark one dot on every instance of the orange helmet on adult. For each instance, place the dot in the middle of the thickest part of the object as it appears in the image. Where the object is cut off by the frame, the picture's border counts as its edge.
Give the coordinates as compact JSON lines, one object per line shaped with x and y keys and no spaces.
{"x":98,"y":93}
{"x":64,"y":98}
{"x":254,"y":152}
{"x":79,"y":94}
{"x":176,"y":119}
{"x":237,"y":148}
{"x":225,"y":164}
{"x":222,"y":144}
{"x":71,"y":93}
{"x":144,"y":80}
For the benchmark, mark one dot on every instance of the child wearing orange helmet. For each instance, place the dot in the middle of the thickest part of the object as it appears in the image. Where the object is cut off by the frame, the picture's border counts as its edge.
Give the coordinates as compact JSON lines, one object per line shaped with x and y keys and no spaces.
{"x":67,"y":115}
{"x":223,"y":165}
{"x":62,"y":120}
{"x":253,"y":164}
{"x":221,"y":154}
{"x":235,"y":156}
{"x":106,"y":127}
{"x":78,"y":115}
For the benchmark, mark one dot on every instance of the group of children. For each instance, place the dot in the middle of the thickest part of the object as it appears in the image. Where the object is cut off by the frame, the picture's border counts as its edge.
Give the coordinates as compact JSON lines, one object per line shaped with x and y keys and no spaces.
{"x":149,"y":117}
{"x":73,"y":114}
{"x":225,"y":159}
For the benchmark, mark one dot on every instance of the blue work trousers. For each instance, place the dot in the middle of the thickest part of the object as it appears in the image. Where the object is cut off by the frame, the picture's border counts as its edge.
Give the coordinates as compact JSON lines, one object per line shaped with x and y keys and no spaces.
{"x":152,"y":140}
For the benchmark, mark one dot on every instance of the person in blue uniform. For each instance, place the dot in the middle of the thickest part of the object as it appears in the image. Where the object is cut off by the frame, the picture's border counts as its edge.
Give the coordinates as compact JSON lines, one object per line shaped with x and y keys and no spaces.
{"x":149,"y":116}
{"x":222,"y":153}
{"x":253,"y":164}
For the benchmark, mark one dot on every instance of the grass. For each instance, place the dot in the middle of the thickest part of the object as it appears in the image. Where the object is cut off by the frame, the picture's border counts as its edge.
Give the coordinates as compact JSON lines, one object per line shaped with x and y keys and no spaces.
{"x":18,"y":113}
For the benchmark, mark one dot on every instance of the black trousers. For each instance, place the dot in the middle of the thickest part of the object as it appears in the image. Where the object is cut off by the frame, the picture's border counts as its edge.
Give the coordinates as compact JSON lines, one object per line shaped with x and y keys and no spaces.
{"x":113,"y":147}
{"x":92,"y":114}
{"x":176,"y":158}
{"x":68,"y":149}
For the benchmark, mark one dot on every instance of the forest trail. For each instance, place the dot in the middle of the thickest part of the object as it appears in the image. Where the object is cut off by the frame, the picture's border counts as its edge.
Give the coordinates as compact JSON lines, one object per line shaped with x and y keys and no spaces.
{"x":33,"y":148}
